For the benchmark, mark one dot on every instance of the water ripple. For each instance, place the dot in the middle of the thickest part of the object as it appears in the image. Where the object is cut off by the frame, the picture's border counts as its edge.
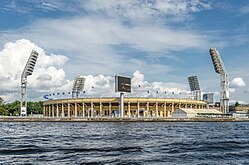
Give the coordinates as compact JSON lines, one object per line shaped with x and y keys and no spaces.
{"x":124,"y":143}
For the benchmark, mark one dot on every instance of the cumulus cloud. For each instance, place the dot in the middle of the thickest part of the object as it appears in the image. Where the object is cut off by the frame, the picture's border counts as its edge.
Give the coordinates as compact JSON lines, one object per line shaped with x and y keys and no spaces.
{"x":232,"y":90}
{"x":47,"y":73}
{"x":104,"y":86}
{"x":246,"y":91}
{"x":143,"y":88}
{"x":237,"y":82}
{"x":49,"y":77}
{"x":111,"y":37}
{"x":44,"y":77}
{"x":92,"y":47}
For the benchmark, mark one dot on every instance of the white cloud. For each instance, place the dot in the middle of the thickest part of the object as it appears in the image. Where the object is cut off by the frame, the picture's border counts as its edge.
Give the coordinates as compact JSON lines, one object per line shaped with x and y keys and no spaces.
{"x":49,"y":77}
{"x":143,"y":88}
{"x":93,"y":42}
{"x":237,"y":82}
{"x":232,"y":90}
{"x":44,"y":77}
{"x":128,"y":9}
{"x":141,"y":10}
{"x":244,"y":9}
{"x":13,"y":60}
{"x":98,"y":38}
{"x":99,"y":43}
{"x":232,"y":102}
{"x":103,"y":86}
{"x":45,"y":6}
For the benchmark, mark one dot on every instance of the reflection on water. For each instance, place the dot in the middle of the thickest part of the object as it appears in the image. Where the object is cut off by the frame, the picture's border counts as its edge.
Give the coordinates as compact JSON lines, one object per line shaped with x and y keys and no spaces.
{"x":124,"y":143}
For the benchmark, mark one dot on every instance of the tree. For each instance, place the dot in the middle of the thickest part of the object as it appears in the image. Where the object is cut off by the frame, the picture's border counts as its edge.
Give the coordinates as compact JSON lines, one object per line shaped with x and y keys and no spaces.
{"x":34,"y":107}
{"x":13,"y":108}
{"x":3,"y":110}
{"x":236,"y":104}
{"x":1,"y":101}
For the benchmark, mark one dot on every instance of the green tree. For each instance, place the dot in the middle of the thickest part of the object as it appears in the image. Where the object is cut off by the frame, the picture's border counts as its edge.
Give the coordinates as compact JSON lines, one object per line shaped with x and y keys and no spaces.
{"x":3,"y":111}
{"x":34,"y":107}
{"x":236,"y":104}
{"x":1,"y":101}
{"x":13,"y":108}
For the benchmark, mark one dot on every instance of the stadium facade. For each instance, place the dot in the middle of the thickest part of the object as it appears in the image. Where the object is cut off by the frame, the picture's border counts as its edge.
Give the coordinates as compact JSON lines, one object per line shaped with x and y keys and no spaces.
{"x":109,"y":107}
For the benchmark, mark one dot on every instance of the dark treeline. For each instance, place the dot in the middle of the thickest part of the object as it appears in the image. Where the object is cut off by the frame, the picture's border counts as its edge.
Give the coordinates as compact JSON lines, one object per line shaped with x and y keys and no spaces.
{"x":13,"y":108}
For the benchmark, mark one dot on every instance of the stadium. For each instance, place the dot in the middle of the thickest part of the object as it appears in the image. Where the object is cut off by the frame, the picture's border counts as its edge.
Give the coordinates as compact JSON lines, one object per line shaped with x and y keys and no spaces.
{"x":117,"y":106}
{"x":124,"y":107}
{"x":110,"y":107}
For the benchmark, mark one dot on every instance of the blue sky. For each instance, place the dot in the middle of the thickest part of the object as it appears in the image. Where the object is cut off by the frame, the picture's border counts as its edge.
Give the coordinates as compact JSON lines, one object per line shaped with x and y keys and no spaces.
{"x":165,"y":40}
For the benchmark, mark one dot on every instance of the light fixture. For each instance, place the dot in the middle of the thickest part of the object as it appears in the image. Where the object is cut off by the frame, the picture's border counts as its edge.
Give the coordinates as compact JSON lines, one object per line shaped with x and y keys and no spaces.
{"x":28,"y":70}
{"x":78,"y":86}
{"x":221,"y":70}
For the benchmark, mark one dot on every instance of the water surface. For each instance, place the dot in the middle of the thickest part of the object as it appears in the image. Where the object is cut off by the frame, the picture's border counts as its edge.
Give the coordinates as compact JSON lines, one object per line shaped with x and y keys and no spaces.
{"x":124,"y":143}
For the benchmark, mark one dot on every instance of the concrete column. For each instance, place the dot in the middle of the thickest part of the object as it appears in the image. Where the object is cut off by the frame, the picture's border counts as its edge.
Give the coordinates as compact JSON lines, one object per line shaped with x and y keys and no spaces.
{"x":88,"y":112}
{"x":49,"y":111}
{"x":92,"y":109}
{"x":44,"y":110}
{"x":110,"y":109}
{"x":144,"y":112}
{"x":156,"y":109}
{"x":57,"y":110}
{"x":129,"y":109}
{"x":75,"y":110}
{"x":165,"y":109}
{"x":62,"y":110}
{"x":83,"y":109}
{"x":148,"y":108}
{"x":172,"y":109}
{"x":68,"y":110}
{"x":180,"y":105}
{"x":191,"y":106}
{"x":121,"y":111}
{"x":52,"y":110}
{"x":100,"y":109}
{"x":186,"y":105}
{"x":138,"y":107}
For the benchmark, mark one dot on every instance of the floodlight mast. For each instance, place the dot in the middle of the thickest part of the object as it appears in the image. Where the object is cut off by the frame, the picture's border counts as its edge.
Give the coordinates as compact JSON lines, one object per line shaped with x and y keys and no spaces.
{"x":221,"y":70}
{"x":78,"y":85}
{"x":28,"y":70}
{"x":195,"y":87}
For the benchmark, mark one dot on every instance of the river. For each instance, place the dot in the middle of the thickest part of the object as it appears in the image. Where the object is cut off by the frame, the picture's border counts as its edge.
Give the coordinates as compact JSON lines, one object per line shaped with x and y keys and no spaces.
{"x":124,"y":143}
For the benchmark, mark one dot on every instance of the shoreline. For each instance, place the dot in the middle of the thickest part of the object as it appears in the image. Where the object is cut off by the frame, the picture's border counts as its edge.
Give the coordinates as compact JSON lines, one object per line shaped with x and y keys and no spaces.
{"x":46,"y":119}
